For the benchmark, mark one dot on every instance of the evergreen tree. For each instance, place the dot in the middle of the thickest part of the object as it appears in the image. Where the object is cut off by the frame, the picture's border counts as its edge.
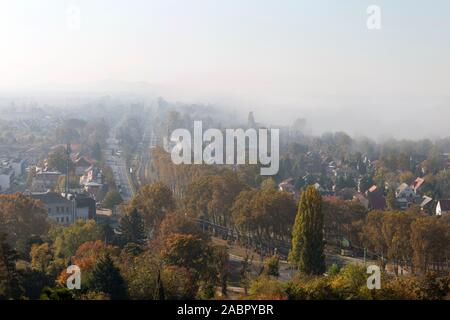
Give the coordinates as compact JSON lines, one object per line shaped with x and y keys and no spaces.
{"x":9,"y":278}
{"x":132,"y":228}
{"x":307,"y":237}
{"x":106,"y":278}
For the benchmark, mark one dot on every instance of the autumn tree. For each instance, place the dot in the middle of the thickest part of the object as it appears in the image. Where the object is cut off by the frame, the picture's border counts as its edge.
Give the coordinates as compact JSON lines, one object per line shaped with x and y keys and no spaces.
{"x":187,"y":251}
{"x":211,"y":197}
{"x":22,"y":218}
{"x":68,"y":240}
{"x":266,"y":214}
{"x":140,"y":272}
{"x":177,"y":222}
{"x":372,"y":235}
{"x":178,"y":283}
{"x":340,"y":218}
{"x":396,"y":231}
{"x":87,"y":256}
{"x":41,"y":257}
{"x":307,"y":237}
{"x":430,"y":239}
{"x":153,"y":202}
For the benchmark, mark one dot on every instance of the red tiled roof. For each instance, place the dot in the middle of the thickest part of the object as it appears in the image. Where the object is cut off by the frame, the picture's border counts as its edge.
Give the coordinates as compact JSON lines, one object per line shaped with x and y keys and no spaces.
{"x":418,"y":183}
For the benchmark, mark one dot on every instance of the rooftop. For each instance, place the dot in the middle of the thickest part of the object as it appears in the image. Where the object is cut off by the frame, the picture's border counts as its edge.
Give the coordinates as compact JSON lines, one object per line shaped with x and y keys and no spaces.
{"x":445,"y":205}
{"x":49,"y":197}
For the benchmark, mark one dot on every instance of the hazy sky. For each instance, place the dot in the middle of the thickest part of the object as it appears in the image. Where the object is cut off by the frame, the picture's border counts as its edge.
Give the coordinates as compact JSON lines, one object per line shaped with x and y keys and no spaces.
{"x":268,"y":55}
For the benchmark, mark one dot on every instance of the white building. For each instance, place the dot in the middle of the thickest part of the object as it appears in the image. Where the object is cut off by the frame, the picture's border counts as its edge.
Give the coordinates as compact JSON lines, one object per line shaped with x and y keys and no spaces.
{"x":58,"y":208}
{"x":66,"y":211}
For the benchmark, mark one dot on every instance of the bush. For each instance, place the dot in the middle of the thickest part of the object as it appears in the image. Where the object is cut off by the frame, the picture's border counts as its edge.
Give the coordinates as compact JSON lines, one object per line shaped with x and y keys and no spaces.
{"x":266,"y":288}
{"x":272,"y":266}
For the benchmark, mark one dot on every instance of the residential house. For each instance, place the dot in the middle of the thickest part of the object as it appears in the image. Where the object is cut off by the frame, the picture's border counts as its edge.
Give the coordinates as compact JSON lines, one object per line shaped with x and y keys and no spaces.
{"x":405,"y":196}
{"x":66,"y":210}
{"x":58,"y":207}
{"x":92,"y":181}
{"x":417,"y":185}
{"x":442,"y":207}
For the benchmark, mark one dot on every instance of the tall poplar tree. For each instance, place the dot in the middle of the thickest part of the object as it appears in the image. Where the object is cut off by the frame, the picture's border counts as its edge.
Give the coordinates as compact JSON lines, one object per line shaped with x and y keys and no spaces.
{"x":307,"y":236}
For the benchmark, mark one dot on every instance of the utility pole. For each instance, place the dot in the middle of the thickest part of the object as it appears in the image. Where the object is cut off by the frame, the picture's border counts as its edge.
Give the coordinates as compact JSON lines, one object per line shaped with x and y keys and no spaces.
{"x":68,"y":151}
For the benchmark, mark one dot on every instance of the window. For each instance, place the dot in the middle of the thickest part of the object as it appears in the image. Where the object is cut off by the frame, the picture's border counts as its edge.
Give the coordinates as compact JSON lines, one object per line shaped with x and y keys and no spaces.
{"x":57,"y":219}
{"x":57,"y":209}
{"x":49,"y":210}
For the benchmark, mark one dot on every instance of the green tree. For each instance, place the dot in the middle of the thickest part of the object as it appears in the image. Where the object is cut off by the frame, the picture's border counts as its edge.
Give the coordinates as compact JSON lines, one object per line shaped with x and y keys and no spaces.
{"x":112,"y":199}
{"x":132,"y":228}
{"x":68,"y":240}
{"x":272,"y":266}
{"x":307,"y":237}
{"x":9,"y":277}
{"x":74,"y":182}
{"x":58,"y":160}
{"x":106,"y":278}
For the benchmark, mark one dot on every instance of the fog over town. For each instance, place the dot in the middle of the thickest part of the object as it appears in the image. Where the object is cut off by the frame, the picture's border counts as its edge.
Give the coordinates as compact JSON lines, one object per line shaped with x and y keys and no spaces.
{"x":222,"y":150}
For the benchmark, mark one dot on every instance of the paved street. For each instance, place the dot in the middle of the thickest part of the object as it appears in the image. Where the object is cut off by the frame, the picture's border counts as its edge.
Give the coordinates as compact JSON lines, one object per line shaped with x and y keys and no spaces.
{"x":119,"y":168}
